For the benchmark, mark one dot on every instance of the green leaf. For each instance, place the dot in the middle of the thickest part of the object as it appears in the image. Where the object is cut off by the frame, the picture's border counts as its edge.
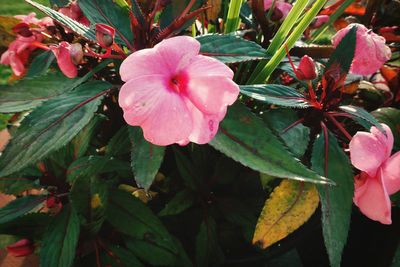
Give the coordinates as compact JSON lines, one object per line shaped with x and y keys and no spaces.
{"x":66,"y":21}
{"x":344,"y":52}
{"x":89,"y":197}
{"x":19,"y":207}
{"x":32,"y":225}
{"x":146,"y":158}
{"x":295,"y":138}
{"x":230,"y":48}
{"x":208,"y":251}
{"x":81,"y":141}
{"x":174,"y":9}
{"x":16,"y":185}
{"x":337,"y":200}
{"x":362,"y":116}
{"x":130,"y":216}
{"x":95,"y":165}
{"x":276,"y":94}
{"x":111,"y":13}
{"x":391,"y":117}
{"x":29,"y":93}
{"x":60,"y":240}
{"x":186,"y":170}
{"x":51,"y":126}
{"x":152,"y":253}
{"x":127,"y":258}
{"x":246,"y":139}
{"x":119,"y":144}
{"x":179,"y":203}
{"x":40,"y":64}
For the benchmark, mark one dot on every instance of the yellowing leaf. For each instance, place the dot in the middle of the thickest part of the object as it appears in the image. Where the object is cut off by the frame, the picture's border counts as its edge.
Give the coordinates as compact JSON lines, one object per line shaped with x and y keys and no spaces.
{"x":6,"y":33}
{"x":290,"y":205}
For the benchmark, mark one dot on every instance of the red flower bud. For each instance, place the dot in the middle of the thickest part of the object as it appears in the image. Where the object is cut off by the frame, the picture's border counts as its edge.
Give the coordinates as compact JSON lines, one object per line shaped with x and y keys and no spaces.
{"x":105,"y":35}
{"x":22,"y":29}
{"x":21,"y":248}
{"x":76,"y":53}
{"x":306,"y":69}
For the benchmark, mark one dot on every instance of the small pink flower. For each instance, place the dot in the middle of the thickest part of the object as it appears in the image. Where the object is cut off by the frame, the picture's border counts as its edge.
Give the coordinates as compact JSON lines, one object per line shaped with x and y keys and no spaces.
{"x":23,"y":247}
{"x":371,"y":51}
{"x":68,"y":56}
{"x":380,"y":176}
{"x":19,"y":50}
{"x":74,"y":12}
{"x":17,"y":54}
{"x":280,"y":7}
{"x":175,"y":94}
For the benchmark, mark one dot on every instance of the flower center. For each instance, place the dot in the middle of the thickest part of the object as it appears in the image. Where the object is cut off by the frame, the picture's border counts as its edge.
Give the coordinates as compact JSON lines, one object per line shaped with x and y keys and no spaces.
{"x":178,"y":83}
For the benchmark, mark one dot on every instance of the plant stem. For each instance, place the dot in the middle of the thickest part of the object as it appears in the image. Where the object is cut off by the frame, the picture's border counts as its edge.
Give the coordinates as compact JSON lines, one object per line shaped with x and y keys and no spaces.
{"x":233,"y":19}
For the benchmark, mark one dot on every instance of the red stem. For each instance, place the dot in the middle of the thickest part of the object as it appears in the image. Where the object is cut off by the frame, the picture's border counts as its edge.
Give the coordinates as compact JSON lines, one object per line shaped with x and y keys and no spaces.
{"x":339,"y":126}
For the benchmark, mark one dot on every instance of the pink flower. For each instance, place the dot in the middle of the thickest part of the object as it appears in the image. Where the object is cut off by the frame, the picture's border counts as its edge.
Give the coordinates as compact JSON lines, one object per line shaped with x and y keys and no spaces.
{"x":21,"y":248}
{"x":371,"y":51}
{"x":18,"y":52}
{"x":68,"y":56}
{"x":280,"y":7}
{"x":380,"y":176}
{"x":175,"y":94}
{"x":74,"y":12}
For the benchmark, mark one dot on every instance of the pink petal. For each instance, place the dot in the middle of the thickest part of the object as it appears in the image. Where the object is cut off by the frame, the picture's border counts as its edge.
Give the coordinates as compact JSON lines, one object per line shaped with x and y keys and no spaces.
{"x":212,"y":94}
{"x":387,"y":139}
{"x":369,"y":150}
{"x":178,"y":52}
{"x":5,"y":58}
{"x":161,"y":113}
{"x":205,"y":126}
{"x":169,"y":122}
{"x":202,"y":66}
{"x":64,"y":61}
{"x":373,"y":200}
{"x":142,"y":63}
{"x":138,"y":97}
{"x":391,"y":173}
{"x":16,"y":64}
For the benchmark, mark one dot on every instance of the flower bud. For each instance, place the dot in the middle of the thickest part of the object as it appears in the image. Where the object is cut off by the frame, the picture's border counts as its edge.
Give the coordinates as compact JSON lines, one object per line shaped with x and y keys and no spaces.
{"x":76,"y":53}
{"x":318,"y":21}
{"x":21,"y":248}
{"x":105,"y":35}
{"x":306,"y":69}
{"x":22,"y":29}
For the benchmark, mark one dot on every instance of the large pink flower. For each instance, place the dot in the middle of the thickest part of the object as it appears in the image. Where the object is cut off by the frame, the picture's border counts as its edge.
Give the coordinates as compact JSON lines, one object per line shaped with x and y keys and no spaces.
{"x":371,"y":51}
{"x":175,"y":94}
{"x":380,"y":176}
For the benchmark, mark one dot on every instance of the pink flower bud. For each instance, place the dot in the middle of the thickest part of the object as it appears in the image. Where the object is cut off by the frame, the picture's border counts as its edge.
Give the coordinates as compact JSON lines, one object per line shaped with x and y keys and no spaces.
{"x":306,"y":69}
{"x":76,"y":53}
{"x":21,"y":248}
{"x":318,"y":21}
{"x":105,"y":35}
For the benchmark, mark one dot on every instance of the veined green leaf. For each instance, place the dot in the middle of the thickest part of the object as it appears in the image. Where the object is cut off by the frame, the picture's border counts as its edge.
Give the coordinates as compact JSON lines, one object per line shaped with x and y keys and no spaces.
{"x":19,"y":207}
{"x":60,"y":240}
{"x":51,"y":126}
{"x":230,"y":48}
{"x":337,"y":200}
{"x":245,"y":138}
